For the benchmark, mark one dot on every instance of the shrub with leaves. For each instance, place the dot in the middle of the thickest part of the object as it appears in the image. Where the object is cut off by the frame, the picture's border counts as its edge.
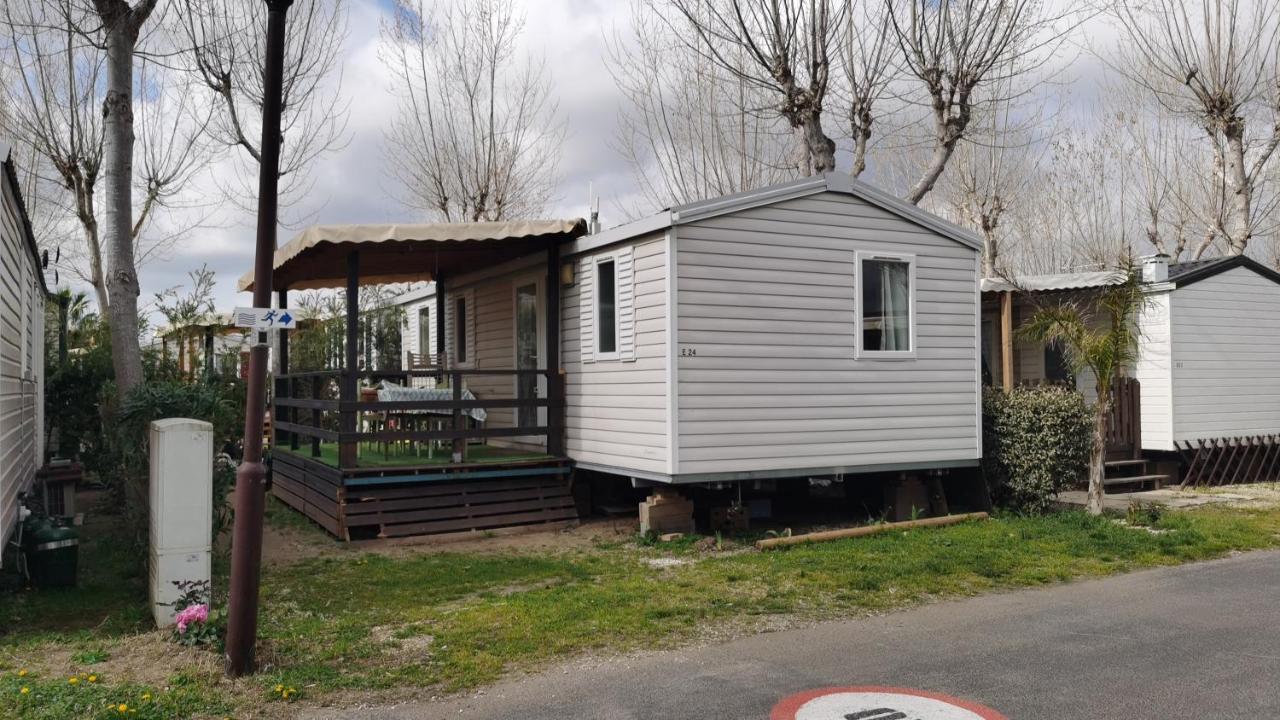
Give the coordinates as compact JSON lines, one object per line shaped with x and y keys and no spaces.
{"x":218,"y":401}
{"x":1036,"y":442}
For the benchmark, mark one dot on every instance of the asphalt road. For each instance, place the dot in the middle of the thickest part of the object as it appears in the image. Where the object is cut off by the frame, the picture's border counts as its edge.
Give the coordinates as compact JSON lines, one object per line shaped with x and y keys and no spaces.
{"x":1198,"y":641}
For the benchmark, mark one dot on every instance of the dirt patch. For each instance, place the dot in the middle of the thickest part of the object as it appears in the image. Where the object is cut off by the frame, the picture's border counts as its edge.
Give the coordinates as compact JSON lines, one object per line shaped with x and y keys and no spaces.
{"x":149,"y":658}
{"x":283,"y":545}
{"x":403,"y":645}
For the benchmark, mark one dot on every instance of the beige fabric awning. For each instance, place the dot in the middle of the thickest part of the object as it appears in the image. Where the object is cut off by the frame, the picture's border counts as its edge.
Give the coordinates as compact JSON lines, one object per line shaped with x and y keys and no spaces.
{"x":316,"y":258}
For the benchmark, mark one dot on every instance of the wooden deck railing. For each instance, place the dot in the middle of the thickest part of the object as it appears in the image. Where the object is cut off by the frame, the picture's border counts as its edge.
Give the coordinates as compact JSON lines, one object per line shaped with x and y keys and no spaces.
{"x":304,"y":409}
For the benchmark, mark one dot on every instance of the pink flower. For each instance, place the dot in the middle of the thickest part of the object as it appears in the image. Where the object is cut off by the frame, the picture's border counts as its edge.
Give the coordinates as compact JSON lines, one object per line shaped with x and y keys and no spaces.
{"x":191,"y":613}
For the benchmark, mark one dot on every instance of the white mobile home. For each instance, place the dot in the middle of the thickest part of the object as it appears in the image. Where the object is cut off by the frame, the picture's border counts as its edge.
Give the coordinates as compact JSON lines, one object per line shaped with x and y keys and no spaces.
{"x":22,"y":294}
{"x":1208,"y":351}
{"x":816,"y":327}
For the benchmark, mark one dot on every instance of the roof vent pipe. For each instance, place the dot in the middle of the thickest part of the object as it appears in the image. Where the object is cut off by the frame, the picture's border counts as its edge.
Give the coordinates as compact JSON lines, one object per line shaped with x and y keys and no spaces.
{"x":1155,"y":268}
{"x":593,"y":225}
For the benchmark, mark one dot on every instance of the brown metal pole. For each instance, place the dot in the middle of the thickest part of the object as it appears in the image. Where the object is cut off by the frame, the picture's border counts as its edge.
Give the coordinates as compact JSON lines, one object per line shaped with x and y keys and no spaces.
{"x":246,"y":544}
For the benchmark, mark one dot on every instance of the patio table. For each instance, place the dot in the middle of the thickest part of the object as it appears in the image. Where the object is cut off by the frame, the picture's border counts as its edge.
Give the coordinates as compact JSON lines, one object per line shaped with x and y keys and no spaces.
{"x":391,"y":392}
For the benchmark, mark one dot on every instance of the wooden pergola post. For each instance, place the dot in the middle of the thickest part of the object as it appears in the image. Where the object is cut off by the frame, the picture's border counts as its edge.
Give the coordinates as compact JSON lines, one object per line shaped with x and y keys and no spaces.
{"x":440,"y":338}
{"x":555,"y":392}
{"x":349,"y":390}
{"x":1006,"y":339}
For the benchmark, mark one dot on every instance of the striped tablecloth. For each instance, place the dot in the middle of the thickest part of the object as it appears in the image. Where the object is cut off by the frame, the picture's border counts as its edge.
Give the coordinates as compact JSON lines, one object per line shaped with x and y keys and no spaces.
{"x":391,"y":392}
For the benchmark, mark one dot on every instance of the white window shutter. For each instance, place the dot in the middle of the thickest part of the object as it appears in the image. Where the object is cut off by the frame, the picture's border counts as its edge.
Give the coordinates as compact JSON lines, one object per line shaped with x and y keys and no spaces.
{"x":587,"y":309}
{"x":626,"y":305}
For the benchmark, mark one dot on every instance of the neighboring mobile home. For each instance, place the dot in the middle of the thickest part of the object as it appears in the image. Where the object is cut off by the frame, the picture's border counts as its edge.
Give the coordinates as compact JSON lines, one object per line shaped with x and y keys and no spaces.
{"x":22,"y":295}
{"x":1208,"y":353}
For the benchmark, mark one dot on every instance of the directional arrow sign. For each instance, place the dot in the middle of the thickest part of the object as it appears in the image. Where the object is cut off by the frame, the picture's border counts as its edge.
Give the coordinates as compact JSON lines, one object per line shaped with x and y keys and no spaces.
{"x":265,"y":319}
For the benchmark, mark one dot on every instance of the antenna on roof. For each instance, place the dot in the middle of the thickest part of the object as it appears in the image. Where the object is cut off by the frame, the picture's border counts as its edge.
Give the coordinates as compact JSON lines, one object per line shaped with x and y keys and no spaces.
{"x":593,"y":225}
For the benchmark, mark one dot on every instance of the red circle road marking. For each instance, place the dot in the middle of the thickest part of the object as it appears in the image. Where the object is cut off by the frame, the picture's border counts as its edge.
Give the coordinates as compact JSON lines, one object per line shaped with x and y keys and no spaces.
{"x":787,"y":708}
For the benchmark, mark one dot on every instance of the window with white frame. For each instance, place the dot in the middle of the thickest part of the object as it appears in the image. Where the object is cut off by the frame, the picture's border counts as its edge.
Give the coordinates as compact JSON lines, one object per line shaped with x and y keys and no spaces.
{"x":886,"y":305}
{"x":606,"y":310}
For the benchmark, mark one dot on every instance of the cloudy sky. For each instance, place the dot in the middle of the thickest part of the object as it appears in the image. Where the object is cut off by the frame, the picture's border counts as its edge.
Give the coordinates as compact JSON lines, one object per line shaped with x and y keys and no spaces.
{"x":351,"y":185}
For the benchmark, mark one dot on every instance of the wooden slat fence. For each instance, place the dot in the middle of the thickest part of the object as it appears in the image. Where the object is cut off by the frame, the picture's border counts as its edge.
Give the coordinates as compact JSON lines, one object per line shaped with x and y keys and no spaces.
{"x":1124,"y":431}
{"x":1230,"y":461}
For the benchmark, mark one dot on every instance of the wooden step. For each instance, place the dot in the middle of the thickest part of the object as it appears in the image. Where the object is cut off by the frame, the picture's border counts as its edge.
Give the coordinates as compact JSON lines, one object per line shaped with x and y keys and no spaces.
{"x":1124,"y":463}
{"x":1156,"y":480}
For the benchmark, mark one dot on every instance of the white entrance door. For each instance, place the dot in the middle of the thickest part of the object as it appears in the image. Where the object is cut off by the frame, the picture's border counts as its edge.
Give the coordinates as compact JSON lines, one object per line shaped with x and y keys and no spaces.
{"x":530,"y":343}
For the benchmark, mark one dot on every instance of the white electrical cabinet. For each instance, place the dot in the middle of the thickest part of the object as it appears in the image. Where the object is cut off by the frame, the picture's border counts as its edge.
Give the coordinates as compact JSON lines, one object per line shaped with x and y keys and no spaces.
{"x":181,"y":509}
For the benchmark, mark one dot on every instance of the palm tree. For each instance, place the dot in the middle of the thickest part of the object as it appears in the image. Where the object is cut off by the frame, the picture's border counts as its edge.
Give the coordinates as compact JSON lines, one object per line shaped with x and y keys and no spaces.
{"x":1100,"y":335}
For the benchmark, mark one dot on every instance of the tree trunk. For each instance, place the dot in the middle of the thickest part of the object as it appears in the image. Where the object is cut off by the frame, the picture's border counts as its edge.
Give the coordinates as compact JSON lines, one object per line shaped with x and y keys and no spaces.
{"x":96,"y":276}
{"x":1098,"y":456}
{"x":822,"y":149}
{"x":990,"y":254}
{"x":1239,"y":222}
{"x":941,"y":155}
{"x":117,"y":230}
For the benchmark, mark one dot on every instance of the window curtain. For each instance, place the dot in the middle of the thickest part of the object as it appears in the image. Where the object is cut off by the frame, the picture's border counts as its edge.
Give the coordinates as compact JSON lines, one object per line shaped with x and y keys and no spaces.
{"x":895,"y":299}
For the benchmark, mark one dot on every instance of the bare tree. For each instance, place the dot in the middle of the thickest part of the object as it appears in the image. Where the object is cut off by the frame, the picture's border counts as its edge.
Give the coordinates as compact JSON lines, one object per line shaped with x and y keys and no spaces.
{"x":477,"y":136}
{"x":121,"y":25}
{"x":1172,"y":190}
{"x":224,"y":45}
{"x":993,"y":171}
{"x":690,"y":129}
{"x":954,"y":48}
{"x":787,"y":45}
{"x":1216,"y":62}
{"x":52,"y":104}
{"x":869,"y":57}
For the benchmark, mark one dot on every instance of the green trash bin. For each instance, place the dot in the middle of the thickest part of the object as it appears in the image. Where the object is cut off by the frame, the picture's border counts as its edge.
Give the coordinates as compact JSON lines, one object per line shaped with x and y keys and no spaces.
{"x":53,"y":552}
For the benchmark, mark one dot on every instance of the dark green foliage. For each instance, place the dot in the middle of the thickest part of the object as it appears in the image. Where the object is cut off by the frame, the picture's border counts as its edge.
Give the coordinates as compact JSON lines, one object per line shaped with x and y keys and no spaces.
{"x":71,"y":393}
{"x":1035,"y":443}
{"x":218,"y":401}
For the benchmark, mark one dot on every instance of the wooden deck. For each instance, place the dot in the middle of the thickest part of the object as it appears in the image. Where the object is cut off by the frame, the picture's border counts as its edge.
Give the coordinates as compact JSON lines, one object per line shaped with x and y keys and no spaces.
{"x":424,"y":499}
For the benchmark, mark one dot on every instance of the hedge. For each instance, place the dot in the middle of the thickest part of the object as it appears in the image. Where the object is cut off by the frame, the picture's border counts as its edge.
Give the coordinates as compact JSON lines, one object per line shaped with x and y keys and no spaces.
{"x":1036,"y":442}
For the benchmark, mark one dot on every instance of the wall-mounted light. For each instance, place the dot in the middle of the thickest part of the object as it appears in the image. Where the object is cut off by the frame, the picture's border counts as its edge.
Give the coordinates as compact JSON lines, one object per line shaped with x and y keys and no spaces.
{"x":567,"y":272}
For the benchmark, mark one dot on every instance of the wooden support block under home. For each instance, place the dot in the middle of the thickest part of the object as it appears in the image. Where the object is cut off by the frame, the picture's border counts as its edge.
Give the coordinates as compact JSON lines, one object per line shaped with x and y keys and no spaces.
{"x":666,"y":512}
{"x":908,"y":498}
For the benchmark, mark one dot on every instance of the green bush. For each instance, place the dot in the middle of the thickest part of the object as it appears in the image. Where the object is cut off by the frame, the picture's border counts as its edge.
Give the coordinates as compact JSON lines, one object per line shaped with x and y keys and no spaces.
{"x":217,"y":401}
{"x":1036,"y":442}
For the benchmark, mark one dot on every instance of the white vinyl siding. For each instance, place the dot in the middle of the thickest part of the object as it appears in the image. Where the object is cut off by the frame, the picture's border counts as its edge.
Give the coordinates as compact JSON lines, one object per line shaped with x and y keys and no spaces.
{"x":1226,"y":356}
{"x":616,"y":415}
{"x":21,"y":362}
{"x":1154,"y":373}
{"x":767,"y":374}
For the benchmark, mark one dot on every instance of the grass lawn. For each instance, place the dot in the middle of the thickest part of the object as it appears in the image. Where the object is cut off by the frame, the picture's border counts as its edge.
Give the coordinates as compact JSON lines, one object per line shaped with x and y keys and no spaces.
{"x":372,"y":456}
{"x":354,"y":621}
